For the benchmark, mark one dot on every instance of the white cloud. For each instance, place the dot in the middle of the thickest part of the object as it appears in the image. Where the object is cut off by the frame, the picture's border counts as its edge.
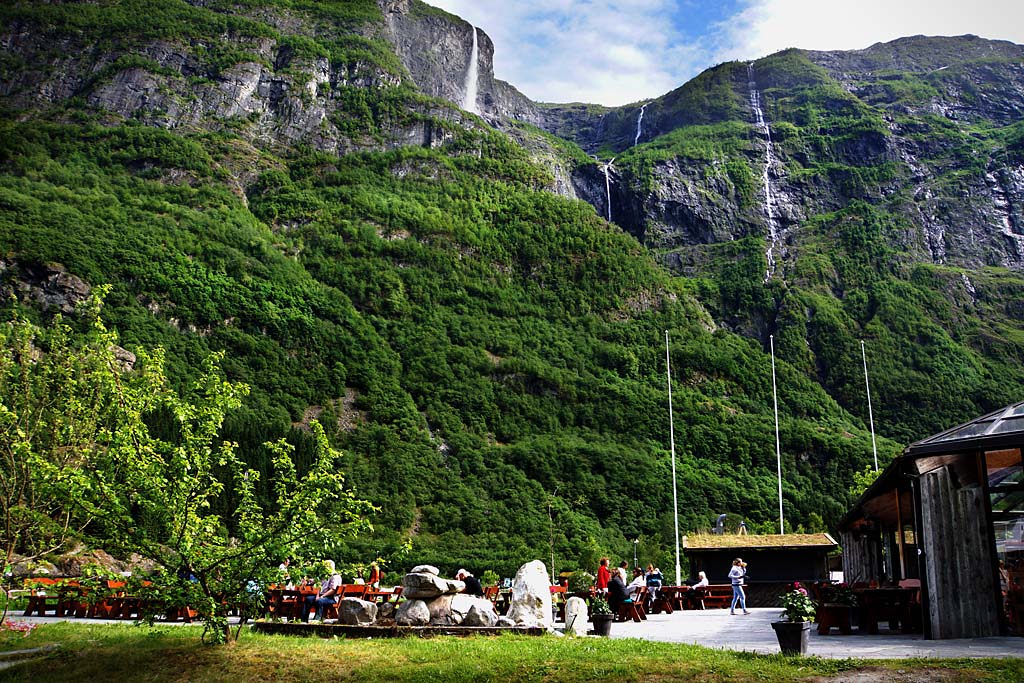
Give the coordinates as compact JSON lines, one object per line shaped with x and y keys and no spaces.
{"x":623,"y":51}
{"x":767,"y":26}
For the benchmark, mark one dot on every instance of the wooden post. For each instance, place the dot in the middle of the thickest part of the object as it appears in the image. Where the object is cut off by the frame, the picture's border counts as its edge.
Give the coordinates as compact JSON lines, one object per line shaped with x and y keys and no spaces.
{"x":899,"y":535}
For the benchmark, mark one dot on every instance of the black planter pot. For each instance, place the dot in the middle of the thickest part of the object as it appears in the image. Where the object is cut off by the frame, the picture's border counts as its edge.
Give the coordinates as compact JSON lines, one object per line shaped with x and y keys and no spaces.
{"x":792,"y":636}
{"x":602,"y":624}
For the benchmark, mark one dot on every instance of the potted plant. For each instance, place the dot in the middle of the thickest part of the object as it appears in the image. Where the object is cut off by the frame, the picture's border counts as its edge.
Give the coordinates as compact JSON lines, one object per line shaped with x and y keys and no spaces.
{"x":836,"y":602}
{"x":601,"y":615}
{"x":797,"y":616}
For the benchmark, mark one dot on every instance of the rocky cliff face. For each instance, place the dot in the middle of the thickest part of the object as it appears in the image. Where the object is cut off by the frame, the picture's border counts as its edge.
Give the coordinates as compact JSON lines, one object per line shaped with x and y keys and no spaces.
{"x":923,"y":129}
{"x":435,"y":48}
{"x":267,"y":89}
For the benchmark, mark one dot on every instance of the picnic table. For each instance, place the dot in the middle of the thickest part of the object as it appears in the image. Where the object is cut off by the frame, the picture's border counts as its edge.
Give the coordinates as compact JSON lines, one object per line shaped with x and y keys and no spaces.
{"x":670,"y":598}
{"x":885,"y":603}
{"x":288,"y":603}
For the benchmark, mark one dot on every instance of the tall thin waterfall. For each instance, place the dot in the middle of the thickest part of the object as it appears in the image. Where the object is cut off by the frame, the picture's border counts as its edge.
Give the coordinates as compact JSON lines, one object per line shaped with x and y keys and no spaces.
{"x":769,"y":161}
{"x":472,"y":74}
{"x":608,"y":186}
{"x":639,"y":124}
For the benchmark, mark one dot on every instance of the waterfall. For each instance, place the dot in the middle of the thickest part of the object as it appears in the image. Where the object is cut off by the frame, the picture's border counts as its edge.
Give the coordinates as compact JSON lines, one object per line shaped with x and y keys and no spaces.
{"x":769,"y":160}
{"x":608,"y":187}
{"x":639,"y":124}
{"x":472,"y":74}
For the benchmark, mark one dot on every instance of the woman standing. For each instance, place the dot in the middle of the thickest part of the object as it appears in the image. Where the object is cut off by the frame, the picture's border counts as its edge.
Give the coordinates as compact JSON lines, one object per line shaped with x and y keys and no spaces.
{"x":603,"y":575}
{"x":736,"y":574}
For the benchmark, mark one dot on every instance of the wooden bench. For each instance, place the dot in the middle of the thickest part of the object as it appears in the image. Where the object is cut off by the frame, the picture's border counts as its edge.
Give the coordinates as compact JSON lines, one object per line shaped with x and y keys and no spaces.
{"x":714,"y":596}
{"x":668,"y":599}
{"x":44,"y":595}
{"x":634,"y":607}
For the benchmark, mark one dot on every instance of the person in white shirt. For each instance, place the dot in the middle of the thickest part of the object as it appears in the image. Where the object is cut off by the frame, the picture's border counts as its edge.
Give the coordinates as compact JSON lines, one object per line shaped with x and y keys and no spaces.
{"x":702,"y":580}
{"x":639,"y":581}
{"x":328,"y":594}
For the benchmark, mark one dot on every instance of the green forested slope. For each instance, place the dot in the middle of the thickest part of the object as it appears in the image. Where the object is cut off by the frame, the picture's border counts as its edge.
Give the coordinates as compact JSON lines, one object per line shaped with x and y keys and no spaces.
{"x":501,"y":344}
{"x":489,"y":356}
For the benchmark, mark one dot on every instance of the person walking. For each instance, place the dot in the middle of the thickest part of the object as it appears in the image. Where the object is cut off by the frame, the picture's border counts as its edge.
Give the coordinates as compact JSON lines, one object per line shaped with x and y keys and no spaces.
{"x":736,"y":575}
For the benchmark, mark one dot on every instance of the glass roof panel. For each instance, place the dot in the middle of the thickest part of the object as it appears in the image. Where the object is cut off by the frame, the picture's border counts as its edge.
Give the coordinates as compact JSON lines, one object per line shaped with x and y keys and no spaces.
{"x":967,"y":431}
{"x":1008,"y":420}
{"x":1014,"y":424}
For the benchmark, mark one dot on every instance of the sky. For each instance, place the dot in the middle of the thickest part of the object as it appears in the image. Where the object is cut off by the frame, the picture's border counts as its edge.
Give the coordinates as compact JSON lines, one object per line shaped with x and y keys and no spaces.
{"x":625,"y":51}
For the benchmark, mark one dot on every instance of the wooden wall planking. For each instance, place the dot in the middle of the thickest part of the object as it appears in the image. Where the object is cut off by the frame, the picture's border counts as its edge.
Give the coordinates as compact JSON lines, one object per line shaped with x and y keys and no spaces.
{"x":958,"y":558}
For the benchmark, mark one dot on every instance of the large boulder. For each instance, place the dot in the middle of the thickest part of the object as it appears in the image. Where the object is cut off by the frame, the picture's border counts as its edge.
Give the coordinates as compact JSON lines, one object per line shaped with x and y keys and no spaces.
{"x":356,"y":612}
{"x":426,"y":569}
{"x":470,"y":610}
{"x":413,"y":613}
{"x":425,"y":586}
{"x":576,"y":616}
{"x":441,"y":611}
{"x":531,"y":596}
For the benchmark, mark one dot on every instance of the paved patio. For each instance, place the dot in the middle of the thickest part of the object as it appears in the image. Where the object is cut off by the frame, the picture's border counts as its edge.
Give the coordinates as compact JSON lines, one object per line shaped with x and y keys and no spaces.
{"x":754,"y":633}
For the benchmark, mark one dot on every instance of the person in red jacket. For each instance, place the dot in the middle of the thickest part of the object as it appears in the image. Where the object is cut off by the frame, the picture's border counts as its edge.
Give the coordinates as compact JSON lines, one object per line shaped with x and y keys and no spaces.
{"x":603,"y":576}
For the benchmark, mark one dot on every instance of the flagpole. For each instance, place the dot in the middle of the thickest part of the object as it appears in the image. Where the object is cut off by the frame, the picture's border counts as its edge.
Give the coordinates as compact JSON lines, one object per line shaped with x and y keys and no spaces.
{"x":672,"y":444}
{"x":871,"y":417}
{"x":778,"y":447}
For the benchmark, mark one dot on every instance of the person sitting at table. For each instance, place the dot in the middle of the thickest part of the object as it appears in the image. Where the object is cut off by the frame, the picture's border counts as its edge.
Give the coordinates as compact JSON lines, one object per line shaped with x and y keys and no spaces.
{"x":473,"y":586}
{"x":327,"y":595}
{"x":702,"y":581}
{"x":638,"y":582}
{"x":603,"y":575}
{"x":616,"y":592}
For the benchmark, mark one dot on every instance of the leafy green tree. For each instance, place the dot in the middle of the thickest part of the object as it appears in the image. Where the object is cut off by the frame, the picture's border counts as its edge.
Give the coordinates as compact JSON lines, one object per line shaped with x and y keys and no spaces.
{"x":862,"y":480}
{"x":81,"y":450}
{"x":55,"y":413}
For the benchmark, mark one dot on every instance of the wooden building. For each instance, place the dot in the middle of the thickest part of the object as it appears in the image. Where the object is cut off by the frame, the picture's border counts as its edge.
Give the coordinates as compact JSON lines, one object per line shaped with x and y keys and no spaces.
{"x":947,"y":513}
{"x":773,"y":560}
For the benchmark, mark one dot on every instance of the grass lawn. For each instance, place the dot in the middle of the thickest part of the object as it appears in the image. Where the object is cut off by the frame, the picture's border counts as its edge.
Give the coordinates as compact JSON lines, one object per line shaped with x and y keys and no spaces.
{"x":121,"y":652}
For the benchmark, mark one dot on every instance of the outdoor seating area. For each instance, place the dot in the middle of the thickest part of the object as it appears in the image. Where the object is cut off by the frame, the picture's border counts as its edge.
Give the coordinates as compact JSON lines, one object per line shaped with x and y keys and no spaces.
{"x":97,"y":599}
{"x":287,"y":603}
{"x":110,"y":599}
{"x":664,"y":600}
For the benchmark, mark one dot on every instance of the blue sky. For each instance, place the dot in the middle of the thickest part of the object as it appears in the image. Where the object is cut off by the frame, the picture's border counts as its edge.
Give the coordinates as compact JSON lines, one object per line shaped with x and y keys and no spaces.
{"x":625,"y":51}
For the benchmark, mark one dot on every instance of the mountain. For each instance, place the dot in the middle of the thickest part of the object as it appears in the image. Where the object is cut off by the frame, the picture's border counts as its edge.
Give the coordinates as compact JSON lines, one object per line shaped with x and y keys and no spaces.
{"x":896,"y":184}
{"x":295,"y":183}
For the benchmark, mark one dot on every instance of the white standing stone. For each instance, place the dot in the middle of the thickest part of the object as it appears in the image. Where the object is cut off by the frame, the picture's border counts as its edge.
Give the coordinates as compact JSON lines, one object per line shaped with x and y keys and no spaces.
{"x":531,"y":596}
{"x":576,"y":616}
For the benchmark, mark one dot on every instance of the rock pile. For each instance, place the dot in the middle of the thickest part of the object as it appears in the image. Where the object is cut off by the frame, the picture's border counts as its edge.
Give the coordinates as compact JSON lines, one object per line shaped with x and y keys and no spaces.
{"x":435,"y":601}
